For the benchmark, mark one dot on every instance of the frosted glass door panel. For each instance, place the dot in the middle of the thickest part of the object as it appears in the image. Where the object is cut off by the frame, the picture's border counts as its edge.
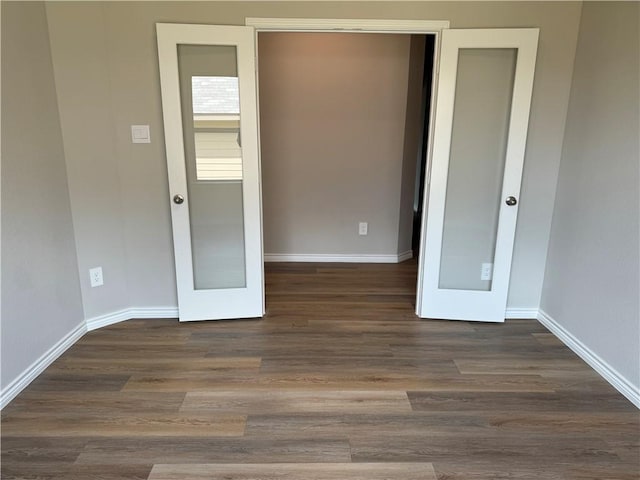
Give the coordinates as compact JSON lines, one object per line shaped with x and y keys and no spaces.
{"x":210,"y":100}
{"x":482,"y":108}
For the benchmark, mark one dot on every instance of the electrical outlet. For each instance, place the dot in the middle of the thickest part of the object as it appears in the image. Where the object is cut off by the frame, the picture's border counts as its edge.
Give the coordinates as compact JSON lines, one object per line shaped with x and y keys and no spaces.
{"x":140,"y":134}
{"x":95,"y":276}
{"x":486,"y":271}
{"x":363,"y":228}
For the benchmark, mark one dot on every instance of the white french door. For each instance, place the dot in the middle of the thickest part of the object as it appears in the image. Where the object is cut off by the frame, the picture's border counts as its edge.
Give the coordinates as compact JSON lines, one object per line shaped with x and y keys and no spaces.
{"x":208,"y":85}
{"x":479,"y":136}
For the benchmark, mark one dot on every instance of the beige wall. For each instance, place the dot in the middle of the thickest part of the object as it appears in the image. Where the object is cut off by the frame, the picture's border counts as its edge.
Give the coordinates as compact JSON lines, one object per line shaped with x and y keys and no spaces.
{"x":332,"y":116}
{"x":88,"y":114}
{"x":105,"y":63}
{"x":592,"y":279}
{"x":41,"y":301}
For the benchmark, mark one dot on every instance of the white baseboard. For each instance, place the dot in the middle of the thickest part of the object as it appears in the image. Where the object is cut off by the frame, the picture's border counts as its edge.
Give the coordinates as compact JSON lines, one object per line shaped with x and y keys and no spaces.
{"x":129,"y":313}
{"x":522,"y":313}
{"x":405,"y":256}
{"x":154,"y":312}
{"x":107,"y":319}
{"x":338,"y":258}
{"x":36,"y":368}
{"x":610,"y":374}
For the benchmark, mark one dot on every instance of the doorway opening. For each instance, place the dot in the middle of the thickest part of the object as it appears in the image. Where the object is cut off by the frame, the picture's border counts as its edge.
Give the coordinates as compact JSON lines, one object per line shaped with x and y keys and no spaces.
{"x":344,"y":128}
{"x":423,"y":150}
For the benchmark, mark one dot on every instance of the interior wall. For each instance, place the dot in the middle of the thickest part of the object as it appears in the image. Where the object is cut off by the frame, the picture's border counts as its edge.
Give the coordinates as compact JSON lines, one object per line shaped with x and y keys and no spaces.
{"x":84,"y":83}
{"x":332,"y":117}
{"x":105,"y":61}
{"x":592,"y":278}
{"x":41,"y":301}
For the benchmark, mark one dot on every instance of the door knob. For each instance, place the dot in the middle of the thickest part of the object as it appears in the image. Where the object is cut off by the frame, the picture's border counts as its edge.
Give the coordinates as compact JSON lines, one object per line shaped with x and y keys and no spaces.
{"x":178,"y":199}
{"x":511,"y":201}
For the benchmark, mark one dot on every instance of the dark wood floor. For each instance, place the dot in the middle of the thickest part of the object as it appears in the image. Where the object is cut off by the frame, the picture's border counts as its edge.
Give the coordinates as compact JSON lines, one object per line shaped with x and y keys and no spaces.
{"x":339,"y":381}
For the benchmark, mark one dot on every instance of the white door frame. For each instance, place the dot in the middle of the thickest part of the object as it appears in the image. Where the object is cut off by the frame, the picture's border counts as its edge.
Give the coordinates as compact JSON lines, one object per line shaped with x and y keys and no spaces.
{"x":407,"y":27}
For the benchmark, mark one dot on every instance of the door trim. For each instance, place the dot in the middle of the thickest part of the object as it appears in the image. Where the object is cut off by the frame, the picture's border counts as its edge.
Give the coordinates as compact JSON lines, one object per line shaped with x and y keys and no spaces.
{"x":345,"y":25}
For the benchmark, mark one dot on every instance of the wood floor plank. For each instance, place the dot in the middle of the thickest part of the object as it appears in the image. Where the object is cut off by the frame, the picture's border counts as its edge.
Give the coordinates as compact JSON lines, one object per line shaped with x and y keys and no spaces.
{"x":426,"y":366}
{"x":362,"y":365}
{"x":523,"y":471}
{"x":618,"y":424}
{"x":626,"y":446}
{"x":65,"y":424}
{"x":391,"y":427}
{"x":141,"y":351}
{"x":485,"y":448}
{"x":47,"y":471}
{"x":291,"y":402}
{"x":42,"y":450}
{"x":344,"y":299}
{"x":497,"y":402}
{"x":339,"y":380}
{"x":204,"y":365}
{"x":164,"y":337}
{"x":602,"y":472}
{"x":99,"y":382}
{"x":459,"y":471}
{"x":548,"y":339}
{"x":96,"y":403}
{"x":174,"y":450}
{"x":543,"y":367}
{"x":273,"y":348}
{"x":301,"y":471}
{"x":391,"y":325}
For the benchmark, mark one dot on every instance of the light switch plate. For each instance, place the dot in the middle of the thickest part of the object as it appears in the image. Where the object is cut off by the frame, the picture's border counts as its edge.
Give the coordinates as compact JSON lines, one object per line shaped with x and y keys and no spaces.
{"x":140,"y":134}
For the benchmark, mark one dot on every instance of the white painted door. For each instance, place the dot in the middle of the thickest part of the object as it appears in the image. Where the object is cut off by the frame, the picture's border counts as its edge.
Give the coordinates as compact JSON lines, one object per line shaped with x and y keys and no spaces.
{"x":480,"y":130}
{"x":209,"y":107}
